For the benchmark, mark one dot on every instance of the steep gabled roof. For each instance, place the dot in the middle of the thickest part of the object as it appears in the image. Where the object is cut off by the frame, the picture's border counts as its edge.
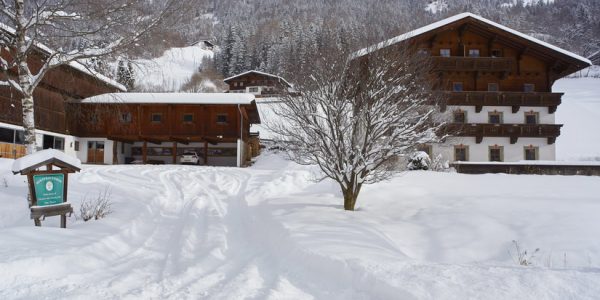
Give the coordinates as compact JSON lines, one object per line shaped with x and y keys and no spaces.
{"x":279,"y":78}
{"x":456,"y":18}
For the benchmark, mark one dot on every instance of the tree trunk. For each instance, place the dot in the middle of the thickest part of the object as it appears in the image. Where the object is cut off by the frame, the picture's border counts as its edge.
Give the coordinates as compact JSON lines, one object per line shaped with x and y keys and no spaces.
{"x":29,"y":124}
{"x":25,"y":77}
{"x":350,"y":196}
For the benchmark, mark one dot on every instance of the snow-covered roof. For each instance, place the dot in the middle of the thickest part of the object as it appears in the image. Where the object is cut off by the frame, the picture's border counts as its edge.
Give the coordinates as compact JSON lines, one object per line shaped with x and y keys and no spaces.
{"x":260,"y":73}
{"x":74,"y":64}
{"x":174,"y":98}
{"x":458,"y":17}
{"x":41,"y":158}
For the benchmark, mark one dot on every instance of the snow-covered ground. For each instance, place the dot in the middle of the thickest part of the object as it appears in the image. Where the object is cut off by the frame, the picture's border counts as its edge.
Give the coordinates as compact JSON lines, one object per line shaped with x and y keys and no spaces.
{"x":579,"y":112}
{"x":170,"y":71}
{"x":269,"y":232}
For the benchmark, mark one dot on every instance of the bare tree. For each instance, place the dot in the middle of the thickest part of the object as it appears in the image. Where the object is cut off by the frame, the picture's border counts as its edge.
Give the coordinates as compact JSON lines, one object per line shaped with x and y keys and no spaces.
{"x":36,"y":32}
{"x":355,"y":117}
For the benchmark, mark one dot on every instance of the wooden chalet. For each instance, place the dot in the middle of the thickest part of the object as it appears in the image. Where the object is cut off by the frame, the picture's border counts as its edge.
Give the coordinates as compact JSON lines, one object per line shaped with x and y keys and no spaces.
{"x":498,"y":86}
{"x":157,"y":128}
{"x":60,"y":85}
{"x":258,"y":83}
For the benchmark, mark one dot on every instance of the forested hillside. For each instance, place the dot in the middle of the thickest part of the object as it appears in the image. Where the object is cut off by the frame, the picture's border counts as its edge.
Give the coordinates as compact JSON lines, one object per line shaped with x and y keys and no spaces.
{"x":281,"y":36}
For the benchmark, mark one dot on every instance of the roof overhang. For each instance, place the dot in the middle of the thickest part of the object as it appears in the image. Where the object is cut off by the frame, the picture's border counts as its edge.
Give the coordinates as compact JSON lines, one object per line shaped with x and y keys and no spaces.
{"x":571,"y":62}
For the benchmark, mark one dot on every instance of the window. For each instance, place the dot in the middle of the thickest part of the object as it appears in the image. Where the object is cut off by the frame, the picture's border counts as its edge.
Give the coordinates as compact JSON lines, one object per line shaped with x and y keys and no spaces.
{"x":235,"y":84}
{"x":493,"y":87}
{"x":59,"y":143}
{"x":457,"y":87}
{"x":125,"y":117}
{"x":445,"y":52}
{"x":531,"y":153}
{"x":425,"y":148}
{"x":188,"y":118}
{"x":221,"y":119}
{"x":76,"y":145}
{"x":461,"y":153}
{"x":495,"y":117}
{"x":496,"y":153}
{"x":528,"y":88}
{"x":253,"y":90}
{"x":473,"y":52}
{"x":241,"y":83}
{"x":531,"y":117}
{"x":7,"y":135}
{"x":496,"y":53}
{"x":460,"y":116}
{"x":53,"y":142}
{"x":156,"y":118}
{"x":423,"y":51}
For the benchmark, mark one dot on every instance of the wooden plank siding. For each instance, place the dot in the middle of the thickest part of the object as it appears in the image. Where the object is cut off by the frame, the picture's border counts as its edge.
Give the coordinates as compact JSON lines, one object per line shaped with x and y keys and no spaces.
{"x":104,"y":120}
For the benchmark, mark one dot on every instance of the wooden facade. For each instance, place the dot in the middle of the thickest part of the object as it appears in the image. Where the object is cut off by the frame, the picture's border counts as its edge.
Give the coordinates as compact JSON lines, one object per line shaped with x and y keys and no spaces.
{"x":162,"y":122}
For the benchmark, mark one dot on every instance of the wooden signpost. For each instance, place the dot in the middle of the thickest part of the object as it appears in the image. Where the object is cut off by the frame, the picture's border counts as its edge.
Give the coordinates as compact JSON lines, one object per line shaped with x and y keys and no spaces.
{"x":48,"y":188}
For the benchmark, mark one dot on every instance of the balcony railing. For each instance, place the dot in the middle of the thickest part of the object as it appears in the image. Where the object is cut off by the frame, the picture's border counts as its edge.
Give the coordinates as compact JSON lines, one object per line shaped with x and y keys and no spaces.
{"x":486,"y":64}
{"x":513,"y":99}
{"x":512,"y":131}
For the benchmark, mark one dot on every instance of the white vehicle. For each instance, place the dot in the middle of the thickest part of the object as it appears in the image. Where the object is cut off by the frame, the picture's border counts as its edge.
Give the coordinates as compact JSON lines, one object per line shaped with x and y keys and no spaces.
{"x":190,"y":157}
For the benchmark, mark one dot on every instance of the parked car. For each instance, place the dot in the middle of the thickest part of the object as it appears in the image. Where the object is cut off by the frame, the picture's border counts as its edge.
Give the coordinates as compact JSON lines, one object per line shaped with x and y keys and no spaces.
{"x":190,"y":158}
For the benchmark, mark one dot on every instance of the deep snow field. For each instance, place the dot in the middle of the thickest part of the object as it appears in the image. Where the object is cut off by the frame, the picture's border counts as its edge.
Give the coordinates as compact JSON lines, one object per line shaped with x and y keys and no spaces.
{"x":269,"y":232}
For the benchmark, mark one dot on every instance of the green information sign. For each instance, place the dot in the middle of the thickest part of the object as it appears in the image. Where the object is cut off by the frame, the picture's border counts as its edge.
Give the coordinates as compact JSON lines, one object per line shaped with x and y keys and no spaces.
{"x":49,"y":188}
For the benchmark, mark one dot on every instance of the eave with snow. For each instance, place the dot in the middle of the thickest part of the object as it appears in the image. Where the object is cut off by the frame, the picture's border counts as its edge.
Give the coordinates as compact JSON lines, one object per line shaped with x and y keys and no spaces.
{"x":498,"y":87}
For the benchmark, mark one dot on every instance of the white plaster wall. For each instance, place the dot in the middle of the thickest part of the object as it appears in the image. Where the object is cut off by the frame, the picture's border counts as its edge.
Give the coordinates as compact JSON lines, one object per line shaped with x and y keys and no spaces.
{"x":507,"y":115}
{"x":83,"y":149}
{"x":480,"y":152}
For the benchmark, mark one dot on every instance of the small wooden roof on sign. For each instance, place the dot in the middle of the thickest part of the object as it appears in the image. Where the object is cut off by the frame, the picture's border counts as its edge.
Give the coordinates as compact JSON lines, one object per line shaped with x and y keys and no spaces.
{"x":30,"y":163}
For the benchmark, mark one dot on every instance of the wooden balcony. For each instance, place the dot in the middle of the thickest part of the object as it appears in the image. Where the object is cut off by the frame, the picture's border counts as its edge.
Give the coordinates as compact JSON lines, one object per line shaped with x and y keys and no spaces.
{"x":484,"y":64}
{"x":513,"y":99}
{"x":512,"y":131}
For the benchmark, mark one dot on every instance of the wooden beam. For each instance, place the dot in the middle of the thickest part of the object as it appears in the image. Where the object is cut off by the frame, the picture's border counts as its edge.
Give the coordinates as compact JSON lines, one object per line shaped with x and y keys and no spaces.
{"x":114,"y":153}
{"x":205,"y":153}
{"x":144,"y":152}
{"x":174,"y":152}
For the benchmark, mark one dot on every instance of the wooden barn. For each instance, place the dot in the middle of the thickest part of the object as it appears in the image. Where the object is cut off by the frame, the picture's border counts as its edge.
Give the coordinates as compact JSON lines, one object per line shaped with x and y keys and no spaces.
{"x":157,"y":128}
{"x":60,"y":85}
{"x":498,"y":87}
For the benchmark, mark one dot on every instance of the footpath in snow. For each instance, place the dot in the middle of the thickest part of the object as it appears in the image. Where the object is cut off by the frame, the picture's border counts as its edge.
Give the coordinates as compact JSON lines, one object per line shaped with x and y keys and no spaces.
{"x":268,"y":232}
